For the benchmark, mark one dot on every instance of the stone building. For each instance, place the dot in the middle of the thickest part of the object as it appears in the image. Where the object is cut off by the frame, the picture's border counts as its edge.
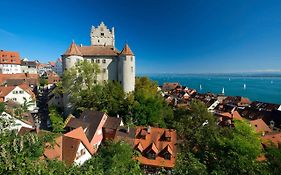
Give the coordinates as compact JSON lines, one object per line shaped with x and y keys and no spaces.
{"x":114,"y":65}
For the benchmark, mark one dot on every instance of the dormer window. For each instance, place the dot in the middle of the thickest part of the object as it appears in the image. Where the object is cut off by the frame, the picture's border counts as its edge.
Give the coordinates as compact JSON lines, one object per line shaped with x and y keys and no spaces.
{"x":166,"y":136}
{"x":141,"y":134}
{"x":151,"y":155}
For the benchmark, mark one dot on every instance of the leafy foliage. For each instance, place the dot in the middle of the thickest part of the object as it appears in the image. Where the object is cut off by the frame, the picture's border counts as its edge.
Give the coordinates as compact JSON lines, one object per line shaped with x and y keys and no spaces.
{"x":56,"y":119}
{"x":220,"y":150}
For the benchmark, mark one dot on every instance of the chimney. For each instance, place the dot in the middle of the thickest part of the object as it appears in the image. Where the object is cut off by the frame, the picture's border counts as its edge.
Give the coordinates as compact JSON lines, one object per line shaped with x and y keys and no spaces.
{"x":148,"y":129}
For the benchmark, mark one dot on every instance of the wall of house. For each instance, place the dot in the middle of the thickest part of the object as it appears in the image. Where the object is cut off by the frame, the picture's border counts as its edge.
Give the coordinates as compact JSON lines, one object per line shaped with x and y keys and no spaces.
{"x":17,"y":124}
{"x":18,"y":95}
{"x":10,"y":68}
{"x":81,"y":158}
{"x":31,"y":70}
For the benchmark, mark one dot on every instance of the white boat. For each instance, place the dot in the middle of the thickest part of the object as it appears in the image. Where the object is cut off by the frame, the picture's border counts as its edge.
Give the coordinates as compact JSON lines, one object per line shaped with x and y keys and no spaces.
{"x":200,"y":87}
{"x":222,"y":90}
{"x":244,"y":86}
{"x":271,"y":82}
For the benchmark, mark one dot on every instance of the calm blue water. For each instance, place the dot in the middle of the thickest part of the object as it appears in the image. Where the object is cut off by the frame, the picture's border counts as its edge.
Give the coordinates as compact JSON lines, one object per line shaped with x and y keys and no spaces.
{"x":261,"y":88}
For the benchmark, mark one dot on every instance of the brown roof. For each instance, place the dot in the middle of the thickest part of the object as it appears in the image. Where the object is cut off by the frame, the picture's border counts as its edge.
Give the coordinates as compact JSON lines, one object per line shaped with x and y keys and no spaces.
{"x":76,"y":123}
{"x":126,"y":50}
{"x":154,"y":141}
{"x":80,"y":135}
{"x":272,"y":137}
{"x":91,"y":50}
{"x":7,"y":57}
{"x":260,"y":126}
{"x":93,"y":118}
{"x":112,"y":123}
{"x":73,"y":50}
{"x":236,"y":115}
{"x":66,"y":146}
{"x":27,"y":78}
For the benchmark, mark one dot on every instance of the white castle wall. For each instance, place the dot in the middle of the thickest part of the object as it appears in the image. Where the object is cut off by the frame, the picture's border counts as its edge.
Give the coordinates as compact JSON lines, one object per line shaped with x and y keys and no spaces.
{"x":101,"y":36}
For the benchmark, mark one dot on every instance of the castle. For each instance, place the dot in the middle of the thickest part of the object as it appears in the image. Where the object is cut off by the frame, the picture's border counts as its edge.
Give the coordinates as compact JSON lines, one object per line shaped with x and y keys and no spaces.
{"x":114,"y":65}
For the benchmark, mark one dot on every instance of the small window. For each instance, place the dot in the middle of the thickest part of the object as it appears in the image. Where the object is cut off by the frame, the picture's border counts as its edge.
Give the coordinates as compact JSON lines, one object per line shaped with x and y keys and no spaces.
{"x":132,"y":69}
{"x":102,"y":34}
{"x":167,"y":156}
{"x":98,"y":40}
{"x":104,"y":61}
{"x":14,"y":99}
{"x":104,"y":70}
{"x":131,"y":58}
{"x":151,"y":155}
{"x":98,"y":61}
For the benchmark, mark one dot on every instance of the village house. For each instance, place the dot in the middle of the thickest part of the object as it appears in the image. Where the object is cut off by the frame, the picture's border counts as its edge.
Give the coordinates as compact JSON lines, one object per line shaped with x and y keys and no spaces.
{"x":72,"y":148}
{"x":9,"y":62}
{"x":29,"y":66}
{"x":21,"y":94}
{"x":157,"y":146}
{"x":15,"y":123}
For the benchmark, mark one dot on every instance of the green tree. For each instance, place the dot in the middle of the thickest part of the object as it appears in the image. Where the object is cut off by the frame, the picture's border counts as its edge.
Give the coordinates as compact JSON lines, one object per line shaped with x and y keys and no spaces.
{"x":113,"y":158}
{"x":149,"y":107}
{"x":273,"y":156}
{"x":56,"y":119}
{"x":222,"y":150}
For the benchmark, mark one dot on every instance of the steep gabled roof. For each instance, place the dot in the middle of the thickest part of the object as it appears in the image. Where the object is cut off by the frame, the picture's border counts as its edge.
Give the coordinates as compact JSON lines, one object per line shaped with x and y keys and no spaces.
{"x":80,"y":135}
{"x":260,"y":126}
{"x":93,"y":118}
{"x":126,"y":50}
{"x":73,"y":50}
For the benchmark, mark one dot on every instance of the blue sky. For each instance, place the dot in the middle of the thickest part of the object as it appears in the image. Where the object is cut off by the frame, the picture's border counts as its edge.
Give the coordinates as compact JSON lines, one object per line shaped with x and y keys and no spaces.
{"x":172,"y":36}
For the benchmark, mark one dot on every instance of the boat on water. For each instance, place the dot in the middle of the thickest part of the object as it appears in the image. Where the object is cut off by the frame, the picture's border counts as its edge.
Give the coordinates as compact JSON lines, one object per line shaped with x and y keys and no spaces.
{"x":222,"y":90}
{"x":244,"y":86}
{"x":200,"y":87}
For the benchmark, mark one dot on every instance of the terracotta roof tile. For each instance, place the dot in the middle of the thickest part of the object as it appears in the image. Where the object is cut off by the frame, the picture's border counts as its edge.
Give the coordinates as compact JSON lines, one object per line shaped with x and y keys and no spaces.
{"x":154,"y":141}
{"x":7,"y":57}
{"x":260,"y":126}
{"x":80,"y":135}
{"x":126,"y":50}
{"x":73,"y":50}
{"x":272,"y":137}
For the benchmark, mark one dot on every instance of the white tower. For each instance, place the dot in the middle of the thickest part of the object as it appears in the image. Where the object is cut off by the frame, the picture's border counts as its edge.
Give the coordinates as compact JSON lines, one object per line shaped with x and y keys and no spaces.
{"x":102,"y":36}
{"x":69,"y":60}
{"x":126,"y":69}
{"x":71,"y":56}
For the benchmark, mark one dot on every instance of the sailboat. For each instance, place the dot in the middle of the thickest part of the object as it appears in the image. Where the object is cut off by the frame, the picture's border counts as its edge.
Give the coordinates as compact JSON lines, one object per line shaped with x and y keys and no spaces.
{"x":229,"y":79}
{"x":244,"y":86}
{"x":271,"y":82}
{"x":200,"y":87}
{"x":222,"y":90}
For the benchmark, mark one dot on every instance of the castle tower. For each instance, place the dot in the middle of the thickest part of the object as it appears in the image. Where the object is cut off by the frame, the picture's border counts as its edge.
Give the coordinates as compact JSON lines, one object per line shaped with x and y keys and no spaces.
{"x":69,"y":60}
{"x":71,"y":56}
{"x":126,"y":69}
{"x":102,"y":36}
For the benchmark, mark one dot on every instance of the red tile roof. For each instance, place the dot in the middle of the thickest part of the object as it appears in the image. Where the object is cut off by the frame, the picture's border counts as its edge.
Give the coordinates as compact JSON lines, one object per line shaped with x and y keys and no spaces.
{"x":273,"y":137}
{"x":159,"y":140}
{"x":90,"y":50}
{"x":7,"y":57}
{"x":260,"y":126}
{"x":73,"y":50}
{"x":66,"y":146}
{"x":126,"y":50}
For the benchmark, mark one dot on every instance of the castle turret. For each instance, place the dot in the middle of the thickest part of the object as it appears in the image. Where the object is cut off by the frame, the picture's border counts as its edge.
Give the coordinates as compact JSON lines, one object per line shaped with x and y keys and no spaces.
{"x":69,"y":59}
{"x":102,"y":36}
{"x":126,"y":69}
{"x":71,"y":56}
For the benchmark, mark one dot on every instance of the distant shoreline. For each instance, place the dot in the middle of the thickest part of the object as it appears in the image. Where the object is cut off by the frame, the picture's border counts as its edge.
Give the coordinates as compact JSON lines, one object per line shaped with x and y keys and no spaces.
{"x":254,"y":75}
